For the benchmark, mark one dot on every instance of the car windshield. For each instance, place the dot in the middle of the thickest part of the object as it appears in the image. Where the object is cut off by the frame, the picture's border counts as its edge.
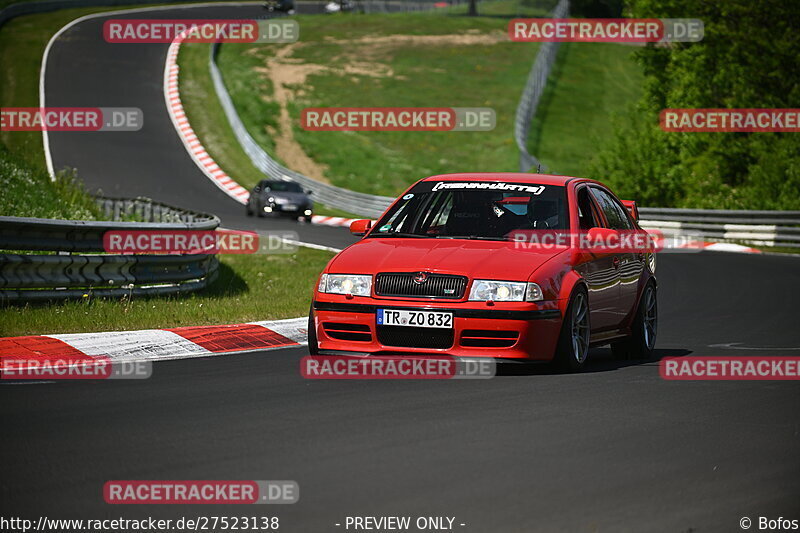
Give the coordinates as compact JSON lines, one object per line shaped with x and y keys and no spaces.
{"x":474,"y":210}
{"x":282,"y":186}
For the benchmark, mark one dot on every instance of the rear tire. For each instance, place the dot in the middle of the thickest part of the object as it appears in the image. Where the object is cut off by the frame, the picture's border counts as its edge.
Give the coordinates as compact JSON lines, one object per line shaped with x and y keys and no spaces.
{"x":641,"y":344}
{"x":313,"y":345}
{"x":573,"y":343}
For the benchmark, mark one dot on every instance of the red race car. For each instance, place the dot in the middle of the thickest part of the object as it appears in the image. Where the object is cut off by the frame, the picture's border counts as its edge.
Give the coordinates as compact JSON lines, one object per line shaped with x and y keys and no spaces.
{"x":516,"y":266}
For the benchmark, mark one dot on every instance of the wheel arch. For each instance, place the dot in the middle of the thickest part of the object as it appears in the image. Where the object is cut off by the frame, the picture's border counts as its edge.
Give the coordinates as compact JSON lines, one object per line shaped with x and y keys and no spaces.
{"x":571,"y":281}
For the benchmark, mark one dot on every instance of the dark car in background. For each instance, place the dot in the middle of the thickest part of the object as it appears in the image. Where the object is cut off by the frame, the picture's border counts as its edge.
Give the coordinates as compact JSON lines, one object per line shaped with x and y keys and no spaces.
{"x":285,"y":6}
{"x":274,"y":197}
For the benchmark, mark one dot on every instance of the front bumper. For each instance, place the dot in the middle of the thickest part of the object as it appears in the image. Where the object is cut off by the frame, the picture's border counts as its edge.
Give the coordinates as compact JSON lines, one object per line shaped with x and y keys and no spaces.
{"x":283,"y":209}
{"x":514,"y":330}
{"x":290,"y":208}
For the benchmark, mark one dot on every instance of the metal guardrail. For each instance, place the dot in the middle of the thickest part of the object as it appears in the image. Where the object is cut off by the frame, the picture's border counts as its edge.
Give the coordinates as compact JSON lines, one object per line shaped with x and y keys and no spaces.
{"x":532,"y":93}
{"x":759,"y":228}
{"x":726,"y":216}
{"x":149,"y":211}
{"x":67,"y":274}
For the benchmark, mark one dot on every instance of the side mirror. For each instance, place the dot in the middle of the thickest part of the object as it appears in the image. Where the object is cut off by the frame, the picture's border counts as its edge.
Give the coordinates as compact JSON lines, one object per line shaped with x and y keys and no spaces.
{"x":596,"y":234}
{"x":309,"y":192}
{"x":360,"y":227}
{"x":601,"y":240}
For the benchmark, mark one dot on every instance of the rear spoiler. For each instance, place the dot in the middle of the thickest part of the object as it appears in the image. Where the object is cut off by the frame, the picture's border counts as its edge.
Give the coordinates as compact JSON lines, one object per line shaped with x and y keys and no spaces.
{"x":630,"y":205}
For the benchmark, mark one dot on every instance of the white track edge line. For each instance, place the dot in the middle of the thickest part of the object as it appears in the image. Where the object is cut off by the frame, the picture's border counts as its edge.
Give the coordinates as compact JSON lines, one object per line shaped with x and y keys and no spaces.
{"x":43,"y":68}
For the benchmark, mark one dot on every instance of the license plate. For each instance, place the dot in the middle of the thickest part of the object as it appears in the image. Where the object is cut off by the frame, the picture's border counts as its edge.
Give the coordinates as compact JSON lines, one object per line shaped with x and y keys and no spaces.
{"x":414,"y":319}
{"x":290,"y":207}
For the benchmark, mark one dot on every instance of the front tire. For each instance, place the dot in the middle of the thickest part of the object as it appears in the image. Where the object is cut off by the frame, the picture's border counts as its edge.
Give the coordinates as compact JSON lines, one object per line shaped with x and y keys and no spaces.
{"x":573,"y":343}
{"x":641,"y":344}
{"x":313,"y":345}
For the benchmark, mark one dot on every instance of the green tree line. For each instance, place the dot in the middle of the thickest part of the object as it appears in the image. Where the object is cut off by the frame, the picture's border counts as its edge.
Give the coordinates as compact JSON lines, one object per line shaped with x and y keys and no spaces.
{"x":748,"y":58}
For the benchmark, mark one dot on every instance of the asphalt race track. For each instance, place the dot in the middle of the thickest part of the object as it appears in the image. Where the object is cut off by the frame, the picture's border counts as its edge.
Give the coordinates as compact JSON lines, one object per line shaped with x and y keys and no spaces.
{"x":613,"y":449}
{"x":83,"y":68}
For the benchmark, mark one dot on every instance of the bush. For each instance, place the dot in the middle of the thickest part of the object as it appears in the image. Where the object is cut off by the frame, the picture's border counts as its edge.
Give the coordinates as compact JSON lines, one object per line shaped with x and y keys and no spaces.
{"x":29,"y":192}
{"x":746,"y":60}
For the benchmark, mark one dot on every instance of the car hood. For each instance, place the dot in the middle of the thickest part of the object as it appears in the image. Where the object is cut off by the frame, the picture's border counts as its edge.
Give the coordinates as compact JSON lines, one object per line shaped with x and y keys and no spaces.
{"x":294,"y":197}
{"x":473,"y":258}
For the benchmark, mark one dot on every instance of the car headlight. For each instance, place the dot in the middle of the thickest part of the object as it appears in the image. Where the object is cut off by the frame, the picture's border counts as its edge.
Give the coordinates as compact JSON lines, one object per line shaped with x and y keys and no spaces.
{"x":345,"y":284}
{"x":504,"y":291}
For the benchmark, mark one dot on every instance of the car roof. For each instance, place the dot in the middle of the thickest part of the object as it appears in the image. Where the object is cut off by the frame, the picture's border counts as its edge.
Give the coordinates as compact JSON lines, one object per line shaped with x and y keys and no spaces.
{"x":518,"y":177}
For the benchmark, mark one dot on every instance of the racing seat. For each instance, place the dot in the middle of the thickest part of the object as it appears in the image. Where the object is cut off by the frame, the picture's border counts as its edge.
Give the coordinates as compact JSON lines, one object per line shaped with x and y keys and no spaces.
{"x":542,"y":214}
{"x":469,"y":215}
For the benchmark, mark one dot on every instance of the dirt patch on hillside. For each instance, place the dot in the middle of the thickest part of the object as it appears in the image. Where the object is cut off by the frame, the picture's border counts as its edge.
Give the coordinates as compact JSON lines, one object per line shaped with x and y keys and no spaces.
{"x":360,"y":57}
{"x":470,"y":37}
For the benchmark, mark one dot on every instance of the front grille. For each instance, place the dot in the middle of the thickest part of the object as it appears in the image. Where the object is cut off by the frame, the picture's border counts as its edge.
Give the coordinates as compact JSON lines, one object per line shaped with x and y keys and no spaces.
{"x":486,"y":338}
{"x":347,"y":332}
{"x":406,"y":337}
{"x":435,"y":286}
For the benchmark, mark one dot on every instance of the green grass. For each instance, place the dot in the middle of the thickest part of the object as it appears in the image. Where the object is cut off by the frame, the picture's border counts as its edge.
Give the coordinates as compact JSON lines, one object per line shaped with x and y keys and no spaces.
{"x":590,"y":85}
{"x":208,"y":120}
{"x":63,"y":198}
{"x":324,"y":210}
{"x":249,"y":288}
{"x":207,"y":117}
{"x":508,"y":8}
{"x":486,"y":75}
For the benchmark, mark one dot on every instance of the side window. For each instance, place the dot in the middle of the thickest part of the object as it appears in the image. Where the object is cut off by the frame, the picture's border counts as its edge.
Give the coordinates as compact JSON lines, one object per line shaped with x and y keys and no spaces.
{"x":615,"y":214}
{"x":586,"y":218}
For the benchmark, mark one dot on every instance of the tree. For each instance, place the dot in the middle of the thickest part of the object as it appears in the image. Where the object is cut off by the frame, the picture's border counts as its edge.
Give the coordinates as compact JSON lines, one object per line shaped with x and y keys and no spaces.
{"x":748,"y":58}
